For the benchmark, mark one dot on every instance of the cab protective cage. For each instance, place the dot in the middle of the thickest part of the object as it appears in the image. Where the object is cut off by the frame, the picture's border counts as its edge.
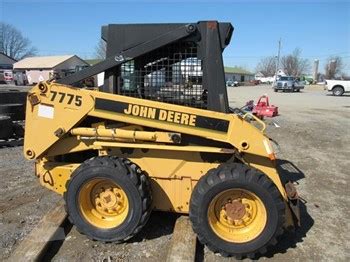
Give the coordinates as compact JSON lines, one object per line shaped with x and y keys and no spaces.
{"x":173,"y":63}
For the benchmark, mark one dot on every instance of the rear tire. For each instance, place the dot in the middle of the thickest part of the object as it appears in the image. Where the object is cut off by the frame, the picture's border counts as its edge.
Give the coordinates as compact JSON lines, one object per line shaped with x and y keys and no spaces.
{"x":338,"y":91}
{"x":6,"y":128}
{"x":18,"y":130}
{"x":15,"y":111}
{"x":247,"y":215}
{"x":108,"y":199}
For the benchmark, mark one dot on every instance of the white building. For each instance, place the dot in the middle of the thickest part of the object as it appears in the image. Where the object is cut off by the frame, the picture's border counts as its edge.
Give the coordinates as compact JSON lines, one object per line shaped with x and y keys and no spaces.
{"x":44,"y":67}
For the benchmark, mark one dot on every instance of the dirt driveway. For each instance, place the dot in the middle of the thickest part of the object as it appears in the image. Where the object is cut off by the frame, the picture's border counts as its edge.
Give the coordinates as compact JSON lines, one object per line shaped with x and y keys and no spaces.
{"x":313,"y":132}
{"x":314,"y":148}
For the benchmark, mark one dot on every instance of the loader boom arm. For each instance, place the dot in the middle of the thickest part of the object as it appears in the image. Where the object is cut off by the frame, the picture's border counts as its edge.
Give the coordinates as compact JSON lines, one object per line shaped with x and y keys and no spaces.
{"x":129,"y":54}
{"x":53,"y":110}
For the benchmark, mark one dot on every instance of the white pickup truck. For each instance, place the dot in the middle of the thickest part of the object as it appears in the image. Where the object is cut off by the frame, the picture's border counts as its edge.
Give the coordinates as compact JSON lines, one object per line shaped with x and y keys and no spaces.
{"x":338,"y":87}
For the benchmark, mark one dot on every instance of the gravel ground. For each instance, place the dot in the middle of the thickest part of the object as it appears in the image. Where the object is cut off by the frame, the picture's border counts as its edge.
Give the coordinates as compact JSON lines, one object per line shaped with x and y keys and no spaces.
{"x":23,"y":202}
{"x":150,"y":245}
{"x":313,"y":137}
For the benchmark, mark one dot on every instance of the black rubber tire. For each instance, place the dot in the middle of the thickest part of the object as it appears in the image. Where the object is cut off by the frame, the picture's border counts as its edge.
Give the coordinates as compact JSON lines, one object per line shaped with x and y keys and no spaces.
{"x":338,"y":91}
{"x":275,"y":90}
{"x":127,"y":175}
{"x":236,"y":175}
{"x":6,"y":127}
{"x":298,"y":90}
{"x":18,"y":130}
{"x":15,"y":111}
{"x":13,"y":97}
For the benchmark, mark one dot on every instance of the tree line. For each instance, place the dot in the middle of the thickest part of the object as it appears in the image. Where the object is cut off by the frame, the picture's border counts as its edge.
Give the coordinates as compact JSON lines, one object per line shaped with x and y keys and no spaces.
{"x":14,"y":44}
{"x":295,"y":65}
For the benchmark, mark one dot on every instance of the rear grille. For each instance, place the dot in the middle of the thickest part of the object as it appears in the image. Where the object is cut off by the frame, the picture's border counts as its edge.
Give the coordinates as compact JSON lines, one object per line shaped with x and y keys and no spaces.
{"x":172,"y":74}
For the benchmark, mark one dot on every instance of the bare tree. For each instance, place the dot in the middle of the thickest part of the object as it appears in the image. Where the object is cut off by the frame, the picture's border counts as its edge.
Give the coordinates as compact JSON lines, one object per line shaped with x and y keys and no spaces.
{"x":100,"y":49}
{"x":13,"y":43}
{"x":333,"y":67}
{"x":294,"y":65}
{"x":267,"y":66}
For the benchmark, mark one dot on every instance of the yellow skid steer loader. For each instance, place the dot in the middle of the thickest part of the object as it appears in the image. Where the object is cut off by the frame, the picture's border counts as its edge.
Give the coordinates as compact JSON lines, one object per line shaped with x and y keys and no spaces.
{"x":159,"y":135}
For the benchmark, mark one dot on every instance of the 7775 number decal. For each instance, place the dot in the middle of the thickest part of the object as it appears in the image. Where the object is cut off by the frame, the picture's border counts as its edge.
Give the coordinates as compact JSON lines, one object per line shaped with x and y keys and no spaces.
{"x":66,"y":98}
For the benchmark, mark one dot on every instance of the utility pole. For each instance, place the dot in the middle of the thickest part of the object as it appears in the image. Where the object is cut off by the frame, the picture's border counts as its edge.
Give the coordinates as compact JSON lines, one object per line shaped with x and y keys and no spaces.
{"x":278,"y":58}
{"x":315,"y":70}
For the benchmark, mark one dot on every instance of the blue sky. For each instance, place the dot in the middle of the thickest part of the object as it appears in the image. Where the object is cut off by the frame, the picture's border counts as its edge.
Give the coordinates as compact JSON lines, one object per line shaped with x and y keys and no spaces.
{"x":320,"y":29}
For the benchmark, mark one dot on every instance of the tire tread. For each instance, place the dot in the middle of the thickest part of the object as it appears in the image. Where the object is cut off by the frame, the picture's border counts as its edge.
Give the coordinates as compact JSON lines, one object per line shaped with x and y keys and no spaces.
{"x":138,"y":178}
{"x":243,"y":173}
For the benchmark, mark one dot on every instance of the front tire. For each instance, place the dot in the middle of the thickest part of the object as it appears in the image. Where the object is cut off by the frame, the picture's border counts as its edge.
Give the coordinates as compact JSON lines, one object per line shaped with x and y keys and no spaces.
{"x":338,"y":91}
{"x":237,"y":211}
{"x":108,"y":199}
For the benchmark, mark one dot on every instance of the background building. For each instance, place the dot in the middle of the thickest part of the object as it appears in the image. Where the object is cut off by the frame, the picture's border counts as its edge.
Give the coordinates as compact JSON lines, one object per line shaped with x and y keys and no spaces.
{"x":43,"y":68}
{"x":6,"y":60}
{"x":238,"y":74}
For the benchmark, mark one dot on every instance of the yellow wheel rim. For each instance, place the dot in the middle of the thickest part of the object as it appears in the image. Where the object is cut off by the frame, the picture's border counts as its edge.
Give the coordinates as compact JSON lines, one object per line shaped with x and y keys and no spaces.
{"x":237,"y":215}
{"x":103,"y":203}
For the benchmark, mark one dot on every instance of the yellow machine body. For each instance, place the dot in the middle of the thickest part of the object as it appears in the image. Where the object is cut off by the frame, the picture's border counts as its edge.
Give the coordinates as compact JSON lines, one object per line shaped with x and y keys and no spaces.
{"x":147,"y":133}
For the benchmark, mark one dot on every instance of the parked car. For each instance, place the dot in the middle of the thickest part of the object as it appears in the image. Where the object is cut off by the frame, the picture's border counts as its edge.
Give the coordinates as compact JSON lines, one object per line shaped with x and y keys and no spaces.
{"x":267,"y":80}
{"x":288,"y":83}
{"x":229,"y":83}
{"x":6,"y":76}
{"x":255,"y":82}
{"x":338,"y":87}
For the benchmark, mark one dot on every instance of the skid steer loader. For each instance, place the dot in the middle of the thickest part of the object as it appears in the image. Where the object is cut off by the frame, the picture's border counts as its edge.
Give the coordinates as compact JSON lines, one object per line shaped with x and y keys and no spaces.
{"x":159,"y":135}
